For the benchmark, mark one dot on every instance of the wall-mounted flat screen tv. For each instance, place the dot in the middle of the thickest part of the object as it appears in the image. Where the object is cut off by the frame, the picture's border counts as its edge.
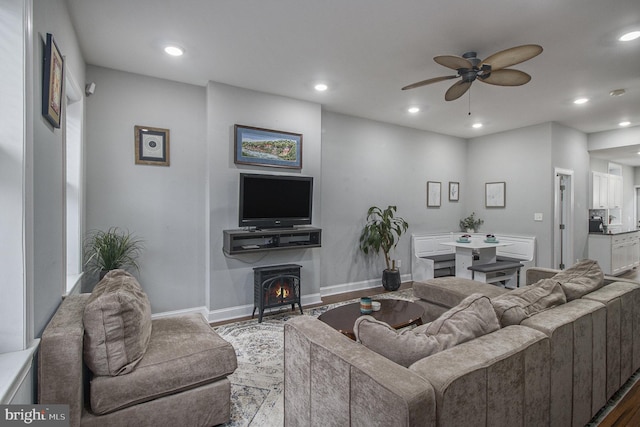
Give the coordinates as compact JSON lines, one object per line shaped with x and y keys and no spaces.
{"x":273,"y":201}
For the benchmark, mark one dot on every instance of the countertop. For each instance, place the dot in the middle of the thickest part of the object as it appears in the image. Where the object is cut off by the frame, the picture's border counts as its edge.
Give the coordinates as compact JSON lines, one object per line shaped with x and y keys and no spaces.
{"x":616,"y":233}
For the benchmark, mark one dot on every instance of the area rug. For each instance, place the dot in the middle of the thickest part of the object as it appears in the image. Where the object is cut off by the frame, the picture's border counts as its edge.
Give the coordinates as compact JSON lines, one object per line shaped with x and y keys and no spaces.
{"x":257,"y":384}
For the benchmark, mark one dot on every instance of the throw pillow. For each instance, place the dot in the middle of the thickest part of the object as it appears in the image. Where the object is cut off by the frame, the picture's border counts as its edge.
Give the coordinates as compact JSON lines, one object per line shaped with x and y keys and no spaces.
{"x":117,"y":325}
{"x":580,"y":279}
{"x":472,"y":318}
{"x":519,"y":304}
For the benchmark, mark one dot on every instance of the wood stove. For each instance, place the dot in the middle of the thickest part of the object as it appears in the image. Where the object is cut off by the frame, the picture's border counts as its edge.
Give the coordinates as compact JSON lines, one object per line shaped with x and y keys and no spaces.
{"x":275,"y":286}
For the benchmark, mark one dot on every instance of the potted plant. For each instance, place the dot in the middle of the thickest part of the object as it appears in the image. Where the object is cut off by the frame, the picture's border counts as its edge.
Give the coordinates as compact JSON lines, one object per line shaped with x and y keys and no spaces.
{"x":471,"y":224}
{"x":110,"y":250}
{"x":382,"y":233}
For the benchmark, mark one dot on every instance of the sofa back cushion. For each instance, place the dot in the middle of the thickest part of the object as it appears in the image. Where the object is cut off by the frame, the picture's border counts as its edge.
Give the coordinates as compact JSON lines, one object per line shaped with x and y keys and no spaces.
{"x":580,"y":279}
{"x":117,"y":325}
{"x":473,"y":317}
{"x":519,"y":304}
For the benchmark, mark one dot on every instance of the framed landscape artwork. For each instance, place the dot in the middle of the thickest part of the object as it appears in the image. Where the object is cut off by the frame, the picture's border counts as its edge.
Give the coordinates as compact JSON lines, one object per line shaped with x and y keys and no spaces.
{"x":53,"y":73}
{"x":265,"y":147}
{"x":152,"y":146}
{"x":495,"y":194}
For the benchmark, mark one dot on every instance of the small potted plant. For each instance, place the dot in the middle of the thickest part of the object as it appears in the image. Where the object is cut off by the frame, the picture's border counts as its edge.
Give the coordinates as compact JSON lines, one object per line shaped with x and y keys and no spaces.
{"x":471,"y":224}
{"x":382,"y":233}
{"x":110,"y":250}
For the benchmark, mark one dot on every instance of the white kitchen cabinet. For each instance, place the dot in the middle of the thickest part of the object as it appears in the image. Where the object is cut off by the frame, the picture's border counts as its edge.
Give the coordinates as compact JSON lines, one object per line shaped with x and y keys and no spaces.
{"x":615,"y":192}
{"x":600,"y":190}
{"x":615,"y":253}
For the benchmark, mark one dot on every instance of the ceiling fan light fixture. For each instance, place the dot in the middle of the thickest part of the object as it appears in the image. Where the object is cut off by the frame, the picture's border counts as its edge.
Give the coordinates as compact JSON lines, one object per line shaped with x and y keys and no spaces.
{"x":632,"y":35}
{"x":580,"y":101}
{"x":624,"y":123}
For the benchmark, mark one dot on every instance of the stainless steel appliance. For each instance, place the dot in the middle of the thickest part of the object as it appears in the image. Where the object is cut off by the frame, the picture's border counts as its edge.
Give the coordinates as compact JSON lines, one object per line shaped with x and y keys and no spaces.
{"x":595,"y":225}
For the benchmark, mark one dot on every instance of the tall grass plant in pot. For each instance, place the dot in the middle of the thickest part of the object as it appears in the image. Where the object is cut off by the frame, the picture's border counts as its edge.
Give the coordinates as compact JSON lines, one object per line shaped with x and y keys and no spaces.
{"x":111,"y":250}
{"x":381,"y":234}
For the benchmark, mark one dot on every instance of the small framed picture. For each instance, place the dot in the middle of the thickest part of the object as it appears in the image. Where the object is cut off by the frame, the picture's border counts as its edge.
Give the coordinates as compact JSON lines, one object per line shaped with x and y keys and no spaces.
{"x":152,"y":146}
{"x":52,"y":79}
{"x":495,"y":194}
{"x":266,"y":147}
{"x":454,"y":191}
{"x":433,"y":194}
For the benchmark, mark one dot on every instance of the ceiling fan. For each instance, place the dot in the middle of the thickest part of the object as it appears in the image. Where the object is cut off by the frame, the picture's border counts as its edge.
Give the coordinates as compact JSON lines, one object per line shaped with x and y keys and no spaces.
{"x":492,"y":70}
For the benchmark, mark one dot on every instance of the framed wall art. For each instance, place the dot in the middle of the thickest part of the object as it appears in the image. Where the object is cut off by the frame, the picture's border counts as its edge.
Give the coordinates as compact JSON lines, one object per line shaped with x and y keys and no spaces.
{"x":454,"y":191}
{"x":152,"y":146}
{"x":52,"y":80}
{"x":433,"y":194}
{"x":265,"y":147}
{"x":495,"y":194}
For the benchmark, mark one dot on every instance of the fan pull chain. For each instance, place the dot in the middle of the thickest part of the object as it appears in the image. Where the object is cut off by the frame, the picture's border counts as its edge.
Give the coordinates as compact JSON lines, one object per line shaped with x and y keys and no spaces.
{"x":469,"y":101}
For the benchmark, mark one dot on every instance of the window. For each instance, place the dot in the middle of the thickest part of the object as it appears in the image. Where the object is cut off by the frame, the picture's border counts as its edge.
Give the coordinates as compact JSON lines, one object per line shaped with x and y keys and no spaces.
{"x":73,"y":121}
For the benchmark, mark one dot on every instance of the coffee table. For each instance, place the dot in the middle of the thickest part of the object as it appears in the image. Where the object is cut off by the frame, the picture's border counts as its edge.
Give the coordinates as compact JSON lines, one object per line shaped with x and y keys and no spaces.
{"x":397,"y":313}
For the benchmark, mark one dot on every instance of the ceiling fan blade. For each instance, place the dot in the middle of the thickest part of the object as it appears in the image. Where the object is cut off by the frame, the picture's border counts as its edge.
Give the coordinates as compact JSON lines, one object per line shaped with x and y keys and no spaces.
{"x":457,"y":90}
{"x":428,"y":82}
{"x":453,"y":62}
{"x":507,"y":77}
{"x":512,"y":56}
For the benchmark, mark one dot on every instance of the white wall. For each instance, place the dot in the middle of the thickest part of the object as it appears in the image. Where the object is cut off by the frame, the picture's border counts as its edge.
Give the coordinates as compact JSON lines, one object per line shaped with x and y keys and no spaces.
{"x":230,"y":279}
{"x":165,"y":206}
{"x":367,"y":163}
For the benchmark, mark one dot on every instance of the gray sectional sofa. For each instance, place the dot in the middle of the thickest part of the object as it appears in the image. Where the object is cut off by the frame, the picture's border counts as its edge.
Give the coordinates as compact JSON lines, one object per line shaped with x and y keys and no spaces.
{"x":557,"y":367}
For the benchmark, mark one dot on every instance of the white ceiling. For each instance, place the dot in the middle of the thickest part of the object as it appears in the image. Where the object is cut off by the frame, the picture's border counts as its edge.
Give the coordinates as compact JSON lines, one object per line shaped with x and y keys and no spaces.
{"x":366,"y":50}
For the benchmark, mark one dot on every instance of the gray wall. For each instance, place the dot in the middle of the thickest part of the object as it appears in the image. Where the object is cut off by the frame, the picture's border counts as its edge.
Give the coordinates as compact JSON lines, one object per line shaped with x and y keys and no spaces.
{"x":367,"y":163}
{"x":230,"y":280}
{"x":522,"y":159}
{"x":165,"y":206}
{"x":49,"y":16}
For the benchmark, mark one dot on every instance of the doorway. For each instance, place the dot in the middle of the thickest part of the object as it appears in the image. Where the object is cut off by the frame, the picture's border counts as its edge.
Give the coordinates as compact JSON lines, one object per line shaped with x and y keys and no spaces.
{"x":563,"y":223}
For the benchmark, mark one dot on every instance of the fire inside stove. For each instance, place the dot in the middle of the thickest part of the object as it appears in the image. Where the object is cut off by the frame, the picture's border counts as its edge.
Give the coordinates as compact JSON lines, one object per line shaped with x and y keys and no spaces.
{"x":279,"y":292}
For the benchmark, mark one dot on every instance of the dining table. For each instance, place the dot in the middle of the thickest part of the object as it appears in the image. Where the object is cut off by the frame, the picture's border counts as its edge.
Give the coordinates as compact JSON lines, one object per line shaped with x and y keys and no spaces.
{"x":466,"y":252}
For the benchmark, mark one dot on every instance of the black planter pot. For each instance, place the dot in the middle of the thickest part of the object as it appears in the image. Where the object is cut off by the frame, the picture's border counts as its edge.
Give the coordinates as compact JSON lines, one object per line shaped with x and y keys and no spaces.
{"x":391,"y":279}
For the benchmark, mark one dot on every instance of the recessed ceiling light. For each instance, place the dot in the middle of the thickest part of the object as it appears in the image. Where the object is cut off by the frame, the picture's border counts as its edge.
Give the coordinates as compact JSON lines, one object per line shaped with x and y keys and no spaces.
{"x":581,"y":101}
{"x":413,"y":110}
{"x":624,"y":124}
{"x":629,"y":36}
{"x":617,"y":92}
{"x":173,"y":50}
{"x":476,"y":125}
{"x":321,"y":87}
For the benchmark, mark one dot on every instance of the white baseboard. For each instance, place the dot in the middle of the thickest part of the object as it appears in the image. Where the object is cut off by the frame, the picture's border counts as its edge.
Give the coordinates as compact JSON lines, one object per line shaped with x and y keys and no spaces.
{"x":239,"y":311}
{"x":357,"y":286}
{"x":201,"y":310}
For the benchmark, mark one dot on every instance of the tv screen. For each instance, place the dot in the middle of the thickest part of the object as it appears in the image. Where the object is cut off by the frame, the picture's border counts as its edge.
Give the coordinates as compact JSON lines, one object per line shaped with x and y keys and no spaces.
{"x":271,"y":201}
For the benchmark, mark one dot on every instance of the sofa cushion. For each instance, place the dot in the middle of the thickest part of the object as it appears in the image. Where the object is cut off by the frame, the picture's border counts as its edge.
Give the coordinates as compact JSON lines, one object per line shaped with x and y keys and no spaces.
{"x":184,"y":352}
{"x":450,"y":291}
{"x":117,"y":325}
{"x":472,"y":318}
{"x":519,"y":304}
{"x":578,"y":280}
